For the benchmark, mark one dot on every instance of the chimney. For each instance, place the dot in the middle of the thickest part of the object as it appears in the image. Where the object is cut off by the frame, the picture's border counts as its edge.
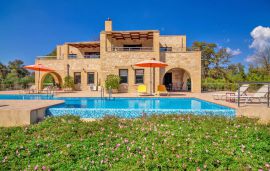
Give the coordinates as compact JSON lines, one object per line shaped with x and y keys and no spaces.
{"x":108,"y":25}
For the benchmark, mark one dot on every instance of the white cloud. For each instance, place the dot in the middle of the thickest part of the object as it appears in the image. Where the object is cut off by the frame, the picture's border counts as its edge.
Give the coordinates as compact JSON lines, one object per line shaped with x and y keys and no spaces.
{"x":251,"y":58}
{"x":261,"y":38}
{"x":260,"y":43}
{"x":233,"y":52}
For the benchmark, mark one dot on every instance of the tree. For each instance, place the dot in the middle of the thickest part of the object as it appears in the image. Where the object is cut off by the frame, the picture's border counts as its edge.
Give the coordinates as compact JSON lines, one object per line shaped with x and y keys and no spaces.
{"x":12,"y":77}
{"x":262,"y":59}
{"x":236,"y":72}
{"x":52,"y":53}
{"x":17,"y":65}
{"x":208,"y":52}
{"x":3,"y":71}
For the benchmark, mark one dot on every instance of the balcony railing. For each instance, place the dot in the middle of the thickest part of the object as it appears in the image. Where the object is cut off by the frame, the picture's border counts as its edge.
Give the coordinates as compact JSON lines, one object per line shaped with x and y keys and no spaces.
{"x":181,"y":49}
{"x":47,"y":57}
{"x":140,"y":49}
{"x":91,"y":56}
{"x":72,"y":56}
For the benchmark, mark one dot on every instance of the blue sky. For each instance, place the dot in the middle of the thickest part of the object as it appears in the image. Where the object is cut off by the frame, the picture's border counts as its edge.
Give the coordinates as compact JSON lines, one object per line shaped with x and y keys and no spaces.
{"x":29,"y":28}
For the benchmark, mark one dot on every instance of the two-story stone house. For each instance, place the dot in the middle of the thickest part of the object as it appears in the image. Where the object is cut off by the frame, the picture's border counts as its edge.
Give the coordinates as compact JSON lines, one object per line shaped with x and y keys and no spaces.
{"x":116,"y":53}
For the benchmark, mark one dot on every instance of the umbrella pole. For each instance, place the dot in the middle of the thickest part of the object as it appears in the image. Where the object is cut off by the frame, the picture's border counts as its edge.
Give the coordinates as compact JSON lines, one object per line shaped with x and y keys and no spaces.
{"x":38,"y":80}
{"x":150,"y":81}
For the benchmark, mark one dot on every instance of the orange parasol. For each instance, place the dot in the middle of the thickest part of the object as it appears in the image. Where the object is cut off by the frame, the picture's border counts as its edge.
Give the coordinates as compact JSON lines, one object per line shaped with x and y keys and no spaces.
{"x":38,"y":67}
{"x":151,"y":64}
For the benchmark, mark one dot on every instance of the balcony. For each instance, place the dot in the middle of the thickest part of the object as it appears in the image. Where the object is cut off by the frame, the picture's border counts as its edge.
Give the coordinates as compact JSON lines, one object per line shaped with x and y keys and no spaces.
{"x":137,"y":49}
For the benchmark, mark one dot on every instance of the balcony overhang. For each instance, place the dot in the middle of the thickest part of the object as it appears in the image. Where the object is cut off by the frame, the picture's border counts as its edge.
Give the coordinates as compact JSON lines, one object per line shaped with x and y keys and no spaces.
{"x":122,"y":35}
{"x":85,"y":45}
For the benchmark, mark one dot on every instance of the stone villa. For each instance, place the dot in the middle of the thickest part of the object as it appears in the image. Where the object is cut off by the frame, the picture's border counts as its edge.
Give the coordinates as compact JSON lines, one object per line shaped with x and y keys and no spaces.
{"x":116,"y":53}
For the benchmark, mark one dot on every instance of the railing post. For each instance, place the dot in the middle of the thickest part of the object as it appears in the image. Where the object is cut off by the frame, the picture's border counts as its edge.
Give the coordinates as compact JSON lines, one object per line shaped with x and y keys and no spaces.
{"x":238,"y":94}
{"x":268,"y":93}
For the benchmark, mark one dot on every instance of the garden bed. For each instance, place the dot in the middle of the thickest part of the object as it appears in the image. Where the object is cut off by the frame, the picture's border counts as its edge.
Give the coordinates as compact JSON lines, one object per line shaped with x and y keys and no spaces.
{"x":159,"y":142}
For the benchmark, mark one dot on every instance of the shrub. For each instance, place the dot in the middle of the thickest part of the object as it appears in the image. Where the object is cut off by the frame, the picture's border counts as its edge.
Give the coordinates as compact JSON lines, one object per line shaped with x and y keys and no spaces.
{"x":69,"y":82}
{"x":112,"y":81}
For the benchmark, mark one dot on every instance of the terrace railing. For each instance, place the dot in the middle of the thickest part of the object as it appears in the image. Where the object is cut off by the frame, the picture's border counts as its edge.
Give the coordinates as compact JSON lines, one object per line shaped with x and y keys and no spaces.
{"x":140,"y":49}
{"x":91,"y":56}
{"x":6,"y":87}
{"x":178,"y":49}
{"x":47,"y":57}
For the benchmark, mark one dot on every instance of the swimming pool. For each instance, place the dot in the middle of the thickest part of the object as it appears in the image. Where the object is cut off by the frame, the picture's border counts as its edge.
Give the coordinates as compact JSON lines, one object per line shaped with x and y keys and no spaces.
{"x":128,"y":107}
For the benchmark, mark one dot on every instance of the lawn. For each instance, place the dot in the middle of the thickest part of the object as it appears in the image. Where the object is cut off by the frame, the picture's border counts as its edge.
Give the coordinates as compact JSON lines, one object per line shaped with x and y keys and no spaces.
{"x":176,"y":142}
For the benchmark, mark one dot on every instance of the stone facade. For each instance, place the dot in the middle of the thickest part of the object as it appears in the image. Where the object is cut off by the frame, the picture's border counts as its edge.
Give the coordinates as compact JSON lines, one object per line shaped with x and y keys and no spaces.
{"x":121,"y":50}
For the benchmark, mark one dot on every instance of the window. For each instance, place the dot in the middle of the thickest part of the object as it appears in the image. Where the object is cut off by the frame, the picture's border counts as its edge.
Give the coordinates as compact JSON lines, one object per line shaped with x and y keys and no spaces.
{"x":165,"y":49}
{"x":91,"y":54}
{"x":90,"y":78}
{"x":77,"y":77}
{"x":123,"y":74}
{"x":72,"y":56}
{"x":139,"y":76}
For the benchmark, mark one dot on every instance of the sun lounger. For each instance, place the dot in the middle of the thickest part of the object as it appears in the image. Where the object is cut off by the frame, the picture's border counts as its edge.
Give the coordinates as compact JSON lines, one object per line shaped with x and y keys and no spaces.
{"x":47,"y":90}
{"x":259,"y":95}
{"x":243,"y":90}
{"x":162,"y":90}
{"x":142,"y":90}
{"x":31,"y":90}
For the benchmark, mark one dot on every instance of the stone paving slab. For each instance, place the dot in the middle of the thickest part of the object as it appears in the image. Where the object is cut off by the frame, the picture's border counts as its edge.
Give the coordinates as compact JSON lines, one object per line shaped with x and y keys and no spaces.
{"x":23,"y":112}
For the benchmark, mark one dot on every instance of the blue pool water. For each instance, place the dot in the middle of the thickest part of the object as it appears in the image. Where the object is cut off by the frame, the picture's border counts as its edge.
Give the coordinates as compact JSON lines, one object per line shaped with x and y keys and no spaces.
{"x":128,"y":107}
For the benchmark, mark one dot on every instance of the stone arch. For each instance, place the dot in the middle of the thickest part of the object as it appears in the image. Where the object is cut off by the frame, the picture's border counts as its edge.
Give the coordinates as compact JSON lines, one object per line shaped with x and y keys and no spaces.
{"x":181,"y":79}
{"x":57,"y":78}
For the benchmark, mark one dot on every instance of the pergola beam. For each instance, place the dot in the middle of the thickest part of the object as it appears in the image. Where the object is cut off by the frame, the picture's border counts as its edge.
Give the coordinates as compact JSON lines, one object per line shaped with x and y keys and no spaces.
{"x":132,"y":35}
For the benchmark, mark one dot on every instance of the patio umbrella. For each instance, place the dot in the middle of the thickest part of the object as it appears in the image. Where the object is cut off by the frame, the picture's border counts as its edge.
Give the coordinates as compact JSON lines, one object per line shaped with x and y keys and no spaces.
{"x":38,"y":67}
{"x":151,"y":64}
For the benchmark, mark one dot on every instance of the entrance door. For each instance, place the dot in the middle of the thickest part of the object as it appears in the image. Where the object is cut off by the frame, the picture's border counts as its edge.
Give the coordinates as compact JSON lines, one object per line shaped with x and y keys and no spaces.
{"x":168,"y":81}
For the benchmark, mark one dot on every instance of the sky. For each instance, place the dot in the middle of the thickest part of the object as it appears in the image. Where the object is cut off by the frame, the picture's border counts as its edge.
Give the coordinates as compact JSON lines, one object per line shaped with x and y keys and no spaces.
{"x":30,"y":28}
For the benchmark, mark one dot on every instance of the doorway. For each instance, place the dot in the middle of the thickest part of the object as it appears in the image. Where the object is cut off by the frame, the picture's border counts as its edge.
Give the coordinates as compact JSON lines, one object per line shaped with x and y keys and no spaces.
{"x":168,"y":81}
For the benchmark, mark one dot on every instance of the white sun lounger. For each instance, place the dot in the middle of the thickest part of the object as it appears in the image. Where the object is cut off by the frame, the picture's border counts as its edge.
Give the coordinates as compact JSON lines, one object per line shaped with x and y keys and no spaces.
{"x":243,"y":90}
{"x":260,"y":94}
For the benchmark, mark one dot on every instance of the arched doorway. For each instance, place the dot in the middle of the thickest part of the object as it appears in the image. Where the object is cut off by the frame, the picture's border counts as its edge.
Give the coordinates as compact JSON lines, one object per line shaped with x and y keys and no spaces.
{"x":51,"y":79}
{"x":177,"y":79}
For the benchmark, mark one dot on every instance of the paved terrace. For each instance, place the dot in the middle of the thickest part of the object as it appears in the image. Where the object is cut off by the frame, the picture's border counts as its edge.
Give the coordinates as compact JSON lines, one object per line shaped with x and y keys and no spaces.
{"x":23,"y":112}
{"x":250,"y":110}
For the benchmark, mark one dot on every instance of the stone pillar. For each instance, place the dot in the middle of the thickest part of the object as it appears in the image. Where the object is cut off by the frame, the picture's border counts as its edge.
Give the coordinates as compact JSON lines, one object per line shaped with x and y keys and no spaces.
{"x":184,"y":43}
{"x":157,"y":57}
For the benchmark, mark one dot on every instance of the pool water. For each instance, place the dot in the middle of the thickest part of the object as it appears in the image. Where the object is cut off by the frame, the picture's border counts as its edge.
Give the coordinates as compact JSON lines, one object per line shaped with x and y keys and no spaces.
{"x":128,"y":107}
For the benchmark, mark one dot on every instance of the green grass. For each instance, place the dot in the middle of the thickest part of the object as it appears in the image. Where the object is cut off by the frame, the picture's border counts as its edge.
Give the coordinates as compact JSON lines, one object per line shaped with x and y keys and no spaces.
{"x":176,"y":142}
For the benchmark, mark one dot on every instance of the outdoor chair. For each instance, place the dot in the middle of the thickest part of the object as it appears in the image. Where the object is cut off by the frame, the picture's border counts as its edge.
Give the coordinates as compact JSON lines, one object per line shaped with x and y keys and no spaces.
{"x":162,"y":90}
{"x":243,"y":90}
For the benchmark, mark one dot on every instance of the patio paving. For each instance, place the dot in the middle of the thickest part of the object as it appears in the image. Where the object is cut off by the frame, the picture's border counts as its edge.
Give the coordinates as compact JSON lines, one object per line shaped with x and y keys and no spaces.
{"x":260,"y":111}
